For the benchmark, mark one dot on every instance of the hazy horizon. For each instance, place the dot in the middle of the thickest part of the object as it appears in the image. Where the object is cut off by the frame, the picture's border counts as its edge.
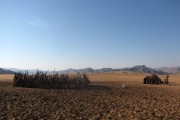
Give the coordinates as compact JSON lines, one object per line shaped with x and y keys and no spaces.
{"x":67,"y":34}
{"x":82,"y":68}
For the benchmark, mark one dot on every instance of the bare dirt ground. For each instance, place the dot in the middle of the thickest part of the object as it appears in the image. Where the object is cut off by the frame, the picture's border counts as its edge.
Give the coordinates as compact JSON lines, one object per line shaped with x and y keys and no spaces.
{"x":105,"y":99}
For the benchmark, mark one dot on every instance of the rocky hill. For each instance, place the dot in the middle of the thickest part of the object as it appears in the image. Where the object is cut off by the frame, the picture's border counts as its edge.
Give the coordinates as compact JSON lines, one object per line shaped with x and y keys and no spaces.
{"x":2,"y":71}
{"x":172,"y":70}
{"x":87,"y":70}
{"x":144,"y":69}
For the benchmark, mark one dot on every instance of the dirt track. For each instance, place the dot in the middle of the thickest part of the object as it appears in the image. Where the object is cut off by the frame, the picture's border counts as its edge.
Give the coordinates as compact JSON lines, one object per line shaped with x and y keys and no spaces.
{"x":105,"y":100}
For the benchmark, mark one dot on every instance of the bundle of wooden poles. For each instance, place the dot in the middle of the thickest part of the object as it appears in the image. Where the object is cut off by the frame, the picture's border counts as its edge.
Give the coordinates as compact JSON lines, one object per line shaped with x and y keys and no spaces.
{"x":50,"y":81}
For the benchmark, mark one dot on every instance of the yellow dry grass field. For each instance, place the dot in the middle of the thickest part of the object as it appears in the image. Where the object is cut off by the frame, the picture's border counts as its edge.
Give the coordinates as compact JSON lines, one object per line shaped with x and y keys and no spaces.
{"x":120,"y":96}
{"x":6,"y":77}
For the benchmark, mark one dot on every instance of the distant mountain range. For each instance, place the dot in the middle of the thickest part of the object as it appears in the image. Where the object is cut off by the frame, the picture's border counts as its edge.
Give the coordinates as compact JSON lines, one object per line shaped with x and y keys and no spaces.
{"x":173,"y":70}
{"x":137,"y":69}
{"x":88,"y":70}
{"x":3,"y":71}
{"x":144,"y":69}
{"x":32,"y":71}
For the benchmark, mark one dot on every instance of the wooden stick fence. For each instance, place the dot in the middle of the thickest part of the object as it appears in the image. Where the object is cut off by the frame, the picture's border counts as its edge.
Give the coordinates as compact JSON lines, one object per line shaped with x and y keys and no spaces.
{"x":53,"y":81}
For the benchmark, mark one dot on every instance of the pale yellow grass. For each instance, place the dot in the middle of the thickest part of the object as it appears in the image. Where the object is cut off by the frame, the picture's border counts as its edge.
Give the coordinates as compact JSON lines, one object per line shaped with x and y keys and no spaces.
{"x":129,"y":77}
{"x":136,"y":79}
{"x":116,"y":77}
{"x":6,"y":77}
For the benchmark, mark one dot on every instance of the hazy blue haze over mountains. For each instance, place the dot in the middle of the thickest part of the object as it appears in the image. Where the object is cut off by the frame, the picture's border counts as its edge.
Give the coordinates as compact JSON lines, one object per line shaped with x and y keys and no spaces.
{"x":137,"y":69}
{"x":3,"y":71}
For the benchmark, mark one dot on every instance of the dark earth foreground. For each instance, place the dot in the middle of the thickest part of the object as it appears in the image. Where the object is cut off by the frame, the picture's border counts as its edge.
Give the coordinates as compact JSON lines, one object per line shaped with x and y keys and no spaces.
{"x":103,"y":100}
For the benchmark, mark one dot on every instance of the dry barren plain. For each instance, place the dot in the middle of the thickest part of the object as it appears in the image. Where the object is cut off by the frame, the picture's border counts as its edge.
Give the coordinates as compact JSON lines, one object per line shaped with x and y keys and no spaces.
{"x":104,"y":99}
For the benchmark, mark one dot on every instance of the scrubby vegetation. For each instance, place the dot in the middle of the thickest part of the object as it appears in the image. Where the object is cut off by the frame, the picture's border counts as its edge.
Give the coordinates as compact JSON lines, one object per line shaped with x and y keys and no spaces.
{"x":52,"y":81}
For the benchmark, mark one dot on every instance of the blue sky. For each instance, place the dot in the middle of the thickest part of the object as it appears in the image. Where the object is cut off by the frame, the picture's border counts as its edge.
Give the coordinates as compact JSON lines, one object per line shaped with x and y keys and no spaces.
{"x":61,"y":34}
